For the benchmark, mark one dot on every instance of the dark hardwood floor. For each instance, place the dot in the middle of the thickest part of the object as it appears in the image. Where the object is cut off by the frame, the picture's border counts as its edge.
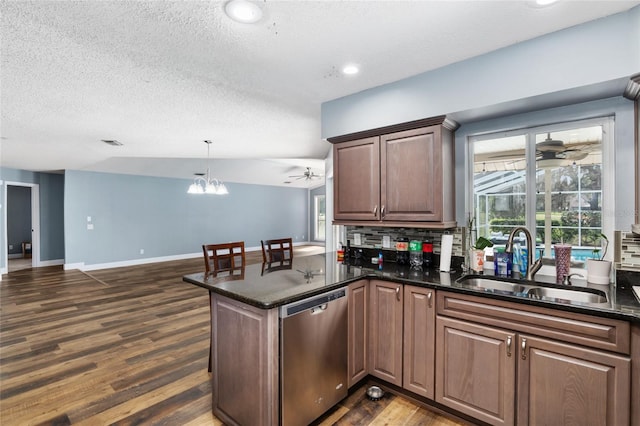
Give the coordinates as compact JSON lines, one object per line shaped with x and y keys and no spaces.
{"x":125,"y":346}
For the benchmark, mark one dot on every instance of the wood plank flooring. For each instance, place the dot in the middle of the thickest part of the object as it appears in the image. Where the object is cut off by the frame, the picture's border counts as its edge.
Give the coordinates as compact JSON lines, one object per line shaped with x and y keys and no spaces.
{"x":126,"y":346}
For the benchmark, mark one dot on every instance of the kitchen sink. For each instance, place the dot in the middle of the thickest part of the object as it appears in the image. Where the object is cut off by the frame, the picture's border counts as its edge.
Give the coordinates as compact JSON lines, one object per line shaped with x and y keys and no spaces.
{"x":534,"y":290}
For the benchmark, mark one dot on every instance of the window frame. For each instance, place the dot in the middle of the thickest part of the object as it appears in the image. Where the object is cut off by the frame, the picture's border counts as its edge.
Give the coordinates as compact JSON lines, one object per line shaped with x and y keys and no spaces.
{"x":316,"y":217}
{"x":608,"y":171}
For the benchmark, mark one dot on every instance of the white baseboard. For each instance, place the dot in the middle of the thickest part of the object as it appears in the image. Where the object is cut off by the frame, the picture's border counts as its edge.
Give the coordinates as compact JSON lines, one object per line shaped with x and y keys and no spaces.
{"x":54,"y":262}
{"x":82,"y":267}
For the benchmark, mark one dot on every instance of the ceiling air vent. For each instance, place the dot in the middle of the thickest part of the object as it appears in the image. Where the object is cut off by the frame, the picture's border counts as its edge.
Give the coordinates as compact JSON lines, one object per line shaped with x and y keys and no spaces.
{"x":112,"y":142}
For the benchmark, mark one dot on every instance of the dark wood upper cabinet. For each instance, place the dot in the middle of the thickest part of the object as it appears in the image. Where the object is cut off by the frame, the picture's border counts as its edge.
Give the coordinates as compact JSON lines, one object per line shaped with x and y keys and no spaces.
{"x":356,"y":171}
{"x":395,"y":175}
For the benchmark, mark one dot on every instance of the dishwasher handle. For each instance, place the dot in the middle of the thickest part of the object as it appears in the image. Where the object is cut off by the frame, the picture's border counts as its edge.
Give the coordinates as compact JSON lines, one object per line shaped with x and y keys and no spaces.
{"x":319,"y":309}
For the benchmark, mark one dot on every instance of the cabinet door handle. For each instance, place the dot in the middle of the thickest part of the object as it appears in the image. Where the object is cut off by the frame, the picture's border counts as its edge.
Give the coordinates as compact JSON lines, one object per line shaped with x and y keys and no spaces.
{"x":509,"y":346}
{"x":375,"y":210}
{"x":524,"y":349}
{"x":382,"y":211}
{"x":398,"y":293}
{"x":429,"y":297}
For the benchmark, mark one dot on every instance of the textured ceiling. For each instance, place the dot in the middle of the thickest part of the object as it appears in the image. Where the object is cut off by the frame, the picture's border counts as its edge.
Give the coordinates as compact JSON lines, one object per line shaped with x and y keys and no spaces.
{"x":162,"y":76}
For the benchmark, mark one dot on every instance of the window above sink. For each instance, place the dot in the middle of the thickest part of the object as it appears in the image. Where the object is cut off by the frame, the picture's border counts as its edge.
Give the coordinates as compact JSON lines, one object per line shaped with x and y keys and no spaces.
{"x":556,"y":179}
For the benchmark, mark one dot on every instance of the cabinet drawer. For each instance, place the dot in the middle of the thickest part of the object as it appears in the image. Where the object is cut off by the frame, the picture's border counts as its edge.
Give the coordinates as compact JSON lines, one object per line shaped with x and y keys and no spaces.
{"x":596,"y":332}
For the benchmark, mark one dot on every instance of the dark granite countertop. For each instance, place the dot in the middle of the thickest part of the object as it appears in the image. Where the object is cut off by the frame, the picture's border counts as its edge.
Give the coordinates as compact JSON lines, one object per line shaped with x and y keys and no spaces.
{"x":270,"y":286}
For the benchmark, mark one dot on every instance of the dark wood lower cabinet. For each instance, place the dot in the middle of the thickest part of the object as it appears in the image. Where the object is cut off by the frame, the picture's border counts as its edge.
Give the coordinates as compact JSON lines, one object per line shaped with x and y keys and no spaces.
{"x":358,"y":366}
{"x":476,"y":370}
{"x":571,"y":385}
{"x":245,"y":363}
{"x":419,"y":340}
{"x":385,"y":331}
{"x":491,"y":365}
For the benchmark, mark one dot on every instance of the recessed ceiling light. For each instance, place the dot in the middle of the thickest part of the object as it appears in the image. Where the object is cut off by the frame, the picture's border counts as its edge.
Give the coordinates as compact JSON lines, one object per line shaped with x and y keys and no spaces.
{"x":243,"y":11}
{"x":545,"y":2}
{"x":350,"y":69}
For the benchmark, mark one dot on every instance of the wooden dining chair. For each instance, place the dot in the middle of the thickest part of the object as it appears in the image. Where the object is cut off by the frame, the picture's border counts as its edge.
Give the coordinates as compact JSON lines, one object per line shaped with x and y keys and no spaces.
{"x":220,"y":258}
{"x":223,"y":257}
{"x":277,"y":250}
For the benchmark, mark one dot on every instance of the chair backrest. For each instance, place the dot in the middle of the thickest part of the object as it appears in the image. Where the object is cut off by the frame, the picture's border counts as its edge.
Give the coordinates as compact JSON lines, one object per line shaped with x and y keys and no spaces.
{"x":223,"y":257}
{"x":277,"y":250}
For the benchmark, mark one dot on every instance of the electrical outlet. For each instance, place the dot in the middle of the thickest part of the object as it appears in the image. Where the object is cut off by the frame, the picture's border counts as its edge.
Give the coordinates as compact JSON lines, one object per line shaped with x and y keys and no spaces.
{"x":90,"y":226}
{"x":141,"y":251}
{"x":10,"y":246}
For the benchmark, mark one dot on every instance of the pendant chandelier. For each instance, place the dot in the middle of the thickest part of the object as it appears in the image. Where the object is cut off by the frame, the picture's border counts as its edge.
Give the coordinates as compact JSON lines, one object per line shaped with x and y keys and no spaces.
{"x":205,"y":184}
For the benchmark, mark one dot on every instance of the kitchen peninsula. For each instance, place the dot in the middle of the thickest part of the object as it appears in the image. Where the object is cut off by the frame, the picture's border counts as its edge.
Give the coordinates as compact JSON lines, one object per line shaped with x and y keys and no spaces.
{"x":463,"y":349}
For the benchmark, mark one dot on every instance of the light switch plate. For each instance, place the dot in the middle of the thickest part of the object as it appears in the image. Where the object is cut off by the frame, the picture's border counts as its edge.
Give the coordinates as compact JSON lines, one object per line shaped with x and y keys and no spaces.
{"x":357,"y":240}
{"x":88,"y":218}
{"x":90,"y":226}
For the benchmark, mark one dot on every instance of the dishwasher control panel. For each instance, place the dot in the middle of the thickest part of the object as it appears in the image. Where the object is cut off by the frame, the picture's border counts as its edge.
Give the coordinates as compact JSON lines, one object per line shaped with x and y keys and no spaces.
{"x":312,"y":302}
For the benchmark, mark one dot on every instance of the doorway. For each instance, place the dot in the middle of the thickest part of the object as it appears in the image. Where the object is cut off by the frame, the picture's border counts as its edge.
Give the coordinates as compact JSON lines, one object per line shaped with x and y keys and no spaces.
{"x":21,"y":226}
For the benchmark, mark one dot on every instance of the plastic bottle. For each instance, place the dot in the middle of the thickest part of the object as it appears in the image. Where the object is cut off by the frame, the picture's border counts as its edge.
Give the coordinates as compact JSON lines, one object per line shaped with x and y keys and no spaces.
{"x":402,"y":251}
{"x":427,"y":254}
{"x":415,"y":253}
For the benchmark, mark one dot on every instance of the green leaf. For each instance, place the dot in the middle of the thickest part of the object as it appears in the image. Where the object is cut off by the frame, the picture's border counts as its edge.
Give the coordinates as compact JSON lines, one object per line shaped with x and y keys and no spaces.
{"x":482,"y":243}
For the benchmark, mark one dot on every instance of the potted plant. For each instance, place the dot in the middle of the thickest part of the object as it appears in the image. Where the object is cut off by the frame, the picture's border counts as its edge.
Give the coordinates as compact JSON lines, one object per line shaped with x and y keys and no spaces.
{"x":476,"y":253}
{"x":598,"y":269}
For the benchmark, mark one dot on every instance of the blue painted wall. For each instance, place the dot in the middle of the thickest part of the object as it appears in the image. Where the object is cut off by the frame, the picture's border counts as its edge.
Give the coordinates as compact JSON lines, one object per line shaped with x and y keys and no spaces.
{"x":130,"y":213}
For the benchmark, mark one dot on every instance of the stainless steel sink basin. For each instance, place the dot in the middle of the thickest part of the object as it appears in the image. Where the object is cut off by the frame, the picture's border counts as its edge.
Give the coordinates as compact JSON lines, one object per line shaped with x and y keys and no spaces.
{"x":534,"y":290}
{"x":573,"y":295}
{"x":494,"y":285}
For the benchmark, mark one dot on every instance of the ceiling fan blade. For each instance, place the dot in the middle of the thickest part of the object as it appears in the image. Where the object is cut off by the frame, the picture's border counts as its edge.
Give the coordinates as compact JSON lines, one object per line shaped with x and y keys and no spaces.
{"x":574,"y":155}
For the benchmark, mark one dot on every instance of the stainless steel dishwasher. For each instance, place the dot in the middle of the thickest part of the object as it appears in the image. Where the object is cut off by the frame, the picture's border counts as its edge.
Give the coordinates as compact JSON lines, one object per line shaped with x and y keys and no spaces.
{"x":313,"y":356}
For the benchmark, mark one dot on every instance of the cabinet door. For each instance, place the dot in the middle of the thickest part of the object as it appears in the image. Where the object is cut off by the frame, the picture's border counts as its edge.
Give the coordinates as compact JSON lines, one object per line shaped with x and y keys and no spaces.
{"x":357,"y":340}
{"x":419,"y":340}
{"x":571,"y":385}
{"x":356,"y":175}
{"x":475,"y":370}
{"x":411,"y":184}
{"x":385,"y":331}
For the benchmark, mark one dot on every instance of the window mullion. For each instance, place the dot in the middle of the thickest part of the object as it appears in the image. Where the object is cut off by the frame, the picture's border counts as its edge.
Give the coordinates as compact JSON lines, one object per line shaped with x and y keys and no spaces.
{"x":531,"y":192}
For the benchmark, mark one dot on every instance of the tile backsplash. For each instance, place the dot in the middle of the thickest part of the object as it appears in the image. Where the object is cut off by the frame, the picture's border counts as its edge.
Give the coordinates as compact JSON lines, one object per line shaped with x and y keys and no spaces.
{"x":627,"y":251}
{"x":371,"y":237}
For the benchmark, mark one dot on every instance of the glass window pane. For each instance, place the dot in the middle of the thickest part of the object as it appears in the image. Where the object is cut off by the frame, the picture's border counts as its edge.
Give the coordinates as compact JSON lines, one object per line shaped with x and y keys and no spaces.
{"x":499,"y":187}
{"x":320,"y":218}
{"x":569,"y":189}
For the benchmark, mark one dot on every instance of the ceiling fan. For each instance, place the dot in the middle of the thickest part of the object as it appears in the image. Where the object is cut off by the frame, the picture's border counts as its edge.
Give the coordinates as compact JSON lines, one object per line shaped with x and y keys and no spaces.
{"x":307,"y":175}
{"x":553,"y":149}
{"x":550,"y":152}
